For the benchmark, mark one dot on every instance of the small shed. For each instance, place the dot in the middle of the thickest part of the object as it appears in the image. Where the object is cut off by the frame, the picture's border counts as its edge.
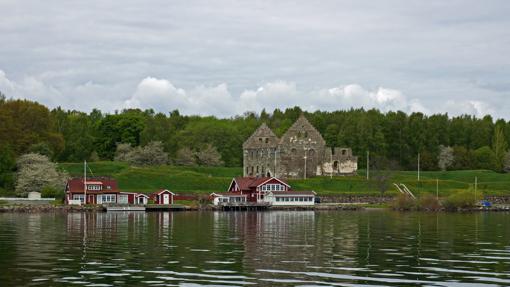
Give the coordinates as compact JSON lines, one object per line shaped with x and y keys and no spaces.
{"x":133,"y":198}
{"x":163,"y":196}
{"x":141,"y":198}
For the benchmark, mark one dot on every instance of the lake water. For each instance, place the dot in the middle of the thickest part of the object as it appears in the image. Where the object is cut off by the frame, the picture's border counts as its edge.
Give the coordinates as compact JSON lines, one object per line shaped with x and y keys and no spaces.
{"x":367,"y":248}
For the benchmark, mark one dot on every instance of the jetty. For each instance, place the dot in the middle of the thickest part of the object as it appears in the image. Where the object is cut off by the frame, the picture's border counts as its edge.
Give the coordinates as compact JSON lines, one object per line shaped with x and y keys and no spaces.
{"x":125,"y":208}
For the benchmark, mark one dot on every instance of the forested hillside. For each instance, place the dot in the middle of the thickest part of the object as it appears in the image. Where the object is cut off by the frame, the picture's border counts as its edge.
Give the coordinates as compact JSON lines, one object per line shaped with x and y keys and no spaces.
{"x":71,"y":136}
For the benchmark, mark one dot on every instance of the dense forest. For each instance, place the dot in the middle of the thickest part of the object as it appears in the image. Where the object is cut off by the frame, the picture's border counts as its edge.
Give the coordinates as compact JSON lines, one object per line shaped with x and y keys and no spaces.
{"x":71,"y":136}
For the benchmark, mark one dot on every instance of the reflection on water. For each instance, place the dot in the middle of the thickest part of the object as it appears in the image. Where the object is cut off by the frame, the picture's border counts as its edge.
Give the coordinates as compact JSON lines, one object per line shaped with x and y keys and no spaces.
{"x":372,"y":248}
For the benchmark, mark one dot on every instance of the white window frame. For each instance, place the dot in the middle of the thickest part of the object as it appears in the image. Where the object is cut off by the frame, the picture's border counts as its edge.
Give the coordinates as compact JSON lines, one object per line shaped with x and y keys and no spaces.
{"x":94,"y":187}
{"x":124,"y":198}
{"x":80,"y":197}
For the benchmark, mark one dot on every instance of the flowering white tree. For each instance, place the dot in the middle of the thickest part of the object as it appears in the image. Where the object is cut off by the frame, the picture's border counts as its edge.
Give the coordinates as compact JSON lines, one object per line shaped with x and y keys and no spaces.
{"x":36,"y":172}
{"x":209,"y":156}
{"x":445,"y":158}
{"x":148,"y":155}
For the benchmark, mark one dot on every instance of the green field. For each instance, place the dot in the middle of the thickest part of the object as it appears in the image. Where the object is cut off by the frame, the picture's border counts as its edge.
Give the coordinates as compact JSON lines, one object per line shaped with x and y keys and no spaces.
{"x":216,"y":179}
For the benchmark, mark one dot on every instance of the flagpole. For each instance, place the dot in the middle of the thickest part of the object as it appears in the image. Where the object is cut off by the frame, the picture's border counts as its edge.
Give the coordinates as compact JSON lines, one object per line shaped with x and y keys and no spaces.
{"x":85,"y":182}
{"x":368,"y":165}
{"x":418,"y":166}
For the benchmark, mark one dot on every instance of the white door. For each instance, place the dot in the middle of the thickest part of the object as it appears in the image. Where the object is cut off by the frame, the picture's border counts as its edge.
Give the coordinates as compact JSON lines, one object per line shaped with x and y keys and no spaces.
{"x":166,"y":198}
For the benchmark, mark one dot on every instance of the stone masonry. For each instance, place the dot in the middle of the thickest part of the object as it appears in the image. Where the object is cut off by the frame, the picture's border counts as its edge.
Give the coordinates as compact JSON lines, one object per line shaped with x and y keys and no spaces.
{"x":300,"y":149}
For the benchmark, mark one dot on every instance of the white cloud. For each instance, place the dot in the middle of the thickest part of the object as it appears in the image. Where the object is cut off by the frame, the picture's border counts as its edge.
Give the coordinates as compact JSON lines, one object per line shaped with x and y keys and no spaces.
{"x":278,"y":94}
{"x":471,"y":107}
{"x":163,"y":96}
{"x":156,"y":94}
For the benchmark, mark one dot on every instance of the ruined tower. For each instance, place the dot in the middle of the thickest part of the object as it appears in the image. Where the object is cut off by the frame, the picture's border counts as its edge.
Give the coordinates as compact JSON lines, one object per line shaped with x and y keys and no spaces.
{"x":300,"y":153}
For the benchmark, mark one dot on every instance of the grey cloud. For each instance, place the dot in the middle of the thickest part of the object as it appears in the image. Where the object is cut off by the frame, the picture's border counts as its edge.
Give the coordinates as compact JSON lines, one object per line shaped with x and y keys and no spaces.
{"x":430,"y":51}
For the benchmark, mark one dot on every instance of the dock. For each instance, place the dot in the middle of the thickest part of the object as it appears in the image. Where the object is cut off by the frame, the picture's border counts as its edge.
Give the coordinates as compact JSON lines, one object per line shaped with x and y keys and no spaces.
{"x":244,"y":206}
{"x":125,"y":208}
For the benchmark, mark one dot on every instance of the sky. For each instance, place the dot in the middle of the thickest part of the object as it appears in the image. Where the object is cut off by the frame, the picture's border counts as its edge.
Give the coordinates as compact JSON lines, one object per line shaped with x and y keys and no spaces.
{"x":226,"y":57}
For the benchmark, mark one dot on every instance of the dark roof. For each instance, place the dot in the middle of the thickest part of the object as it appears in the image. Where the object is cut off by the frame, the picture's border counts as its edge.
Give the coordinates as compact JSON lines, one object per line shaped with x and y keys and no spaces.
{"x":228,"y":194}
{"x":293,"y":192}
{"x":75,"y":185}
{"x":249,"y":182}
{"x":160,"y":192}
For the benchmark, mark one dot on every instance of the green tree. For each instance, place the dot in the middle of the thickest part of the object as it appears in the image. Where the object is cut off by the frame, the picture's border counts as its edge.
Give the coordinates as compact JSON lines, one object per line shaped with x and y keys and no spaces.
{"x":7,"y":166}
{"x":499,"y":147}
{"x":485,"y":158}
{"x":120,"y":128}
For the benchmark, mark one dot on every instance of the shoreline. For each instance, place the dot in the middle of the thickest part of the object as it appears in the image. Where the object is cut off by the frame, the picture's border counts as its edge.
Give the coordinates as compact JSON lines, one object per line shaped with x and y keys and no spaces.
{"x":319,"y":207}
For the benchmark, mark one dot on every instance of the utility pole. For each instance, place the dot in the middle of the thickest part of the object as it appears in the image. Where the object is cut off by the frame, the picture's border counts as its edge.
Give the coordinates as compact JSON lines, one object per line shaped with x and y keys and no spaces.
{"x":304,"y":172}
{"x":331,"y":173}
{"x":418,"y":166}
{"x":476,"y":187}
{"x":274,"y":172}
{"x":437,"y":188}
{"x":368,"y":165}
{"x":85,"y":182}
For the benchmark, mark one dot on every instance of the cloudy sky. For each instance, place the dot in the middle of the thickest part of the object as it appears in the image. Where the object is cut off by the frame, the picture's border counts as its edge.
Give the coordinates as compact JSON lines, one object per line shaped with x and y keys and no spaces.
{"x":226,"y":57}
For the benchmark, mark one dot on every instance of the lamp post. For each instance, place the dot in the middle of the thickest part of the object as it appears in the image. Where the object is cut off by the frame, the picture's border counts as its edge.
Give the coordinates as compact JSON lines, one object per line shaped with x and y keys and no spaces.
{"x":304,"y":172}
{"x":418,"y":166}
{"x":368,"y":165}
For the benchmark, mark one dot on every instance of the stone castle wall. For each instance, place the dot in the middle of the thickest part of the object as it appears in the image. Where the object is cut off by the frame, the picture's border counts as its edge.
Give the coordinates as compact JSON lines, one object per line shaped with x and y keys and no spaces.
{"x":300,"y":153}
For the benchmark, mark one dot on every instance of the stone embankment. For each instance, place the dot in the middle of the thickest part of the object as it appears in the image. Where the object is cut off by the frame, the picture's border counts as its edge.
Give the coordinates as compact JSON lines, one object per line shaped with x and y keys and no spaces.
{"x":25,"y":208}
{"x":356,"y":199}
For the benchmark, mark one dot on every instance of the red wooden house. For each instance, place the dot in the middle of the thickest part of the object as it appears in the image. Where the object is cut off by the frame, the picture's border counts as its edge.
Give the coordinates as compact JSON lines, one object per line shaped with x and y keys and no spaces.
{"x":163,"y":196}
{"x":100,"y":190}
{"x":256,"y":187}
{"x":97,"y":190}
{"x":267,"y":190}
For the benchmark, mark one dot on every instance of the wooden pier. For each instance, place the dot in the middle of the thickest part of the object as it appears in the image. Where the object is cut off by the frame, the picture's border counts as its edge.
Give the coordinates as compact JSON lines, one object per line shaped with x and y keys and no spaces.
{"x":125,"y":208}
{"x":243,"y":206}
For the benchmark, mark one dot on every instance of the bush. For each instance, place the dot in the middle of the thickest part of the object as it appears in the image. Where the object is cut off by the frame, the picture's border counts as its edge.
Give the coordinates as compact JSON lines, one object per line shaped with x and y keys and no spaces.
{"x":50,"y":191}
{"x":404,"y":202}
{"x":461,"y":200}
{"x":428,"y":202}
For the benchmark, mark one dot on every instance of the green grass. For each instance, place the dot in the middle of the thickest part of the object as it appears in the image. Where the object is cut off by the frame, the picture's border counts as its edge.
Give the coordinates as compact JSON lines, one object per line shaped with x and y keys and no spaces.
{"x":213,"y":179}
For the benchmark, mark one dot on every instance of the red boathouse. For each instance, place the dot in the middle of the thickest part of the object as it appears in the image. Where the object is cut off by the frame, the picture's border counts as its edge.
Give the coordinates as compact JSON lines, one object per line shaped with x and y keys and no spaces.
{"x":163,"y":196}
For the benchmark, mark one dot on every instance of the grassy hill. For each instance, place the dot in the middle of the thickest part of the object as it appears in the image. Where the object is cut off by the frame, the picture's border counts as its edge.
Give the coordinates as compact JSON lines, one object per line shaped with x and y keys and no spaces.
{"x":213,"y":179}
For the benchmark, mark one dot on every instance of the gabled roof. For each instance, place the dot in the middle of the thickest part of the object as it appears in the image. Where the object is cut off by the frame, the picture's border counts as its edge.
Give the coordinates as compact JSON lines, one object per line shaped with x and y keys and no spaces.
{"x":304,"y":128}
{"x":258,"y":138}
{"x":161,"y":192}
{"x":249,"y":182}
{"x":76,"y":185}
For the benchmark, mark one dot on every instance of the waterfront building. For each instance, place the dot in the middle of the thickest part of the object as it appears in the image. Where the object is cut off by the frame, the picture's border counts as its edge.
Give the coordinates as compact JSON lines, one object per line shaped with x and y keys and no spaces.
{"x":99,"y":190}
{"x":263,"y":191}
{"x":163,"y":196}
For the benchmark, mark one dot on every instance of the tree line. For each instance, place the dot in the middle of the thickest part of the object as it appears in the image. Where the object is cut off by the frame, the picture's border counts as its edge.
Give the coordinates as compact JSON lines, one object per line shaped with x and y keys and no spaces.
{"x":71,"y":136}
